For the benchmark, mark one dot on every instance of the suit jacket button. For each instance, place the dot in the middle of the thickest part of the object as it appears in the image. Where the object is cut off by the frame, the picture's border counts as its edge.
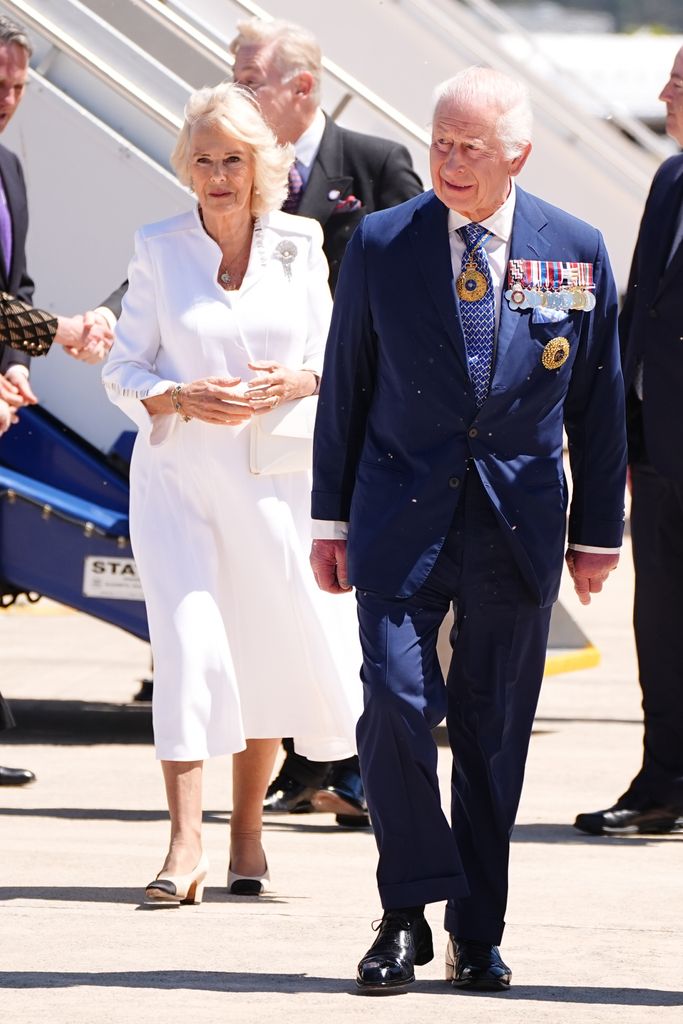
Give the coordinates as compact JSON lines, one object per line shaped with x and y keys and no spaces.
{"x":454,"y":482}
{"x":472,"y":432}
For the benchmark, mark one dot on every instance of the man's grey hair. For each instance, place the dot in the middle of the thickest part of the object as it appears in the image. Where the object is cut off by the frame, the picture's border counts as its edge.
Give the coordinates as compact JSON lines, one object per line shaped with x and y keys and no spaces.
{"x":508,"y":96}
{"x":12,"y":33}
{"x":294,"y":48}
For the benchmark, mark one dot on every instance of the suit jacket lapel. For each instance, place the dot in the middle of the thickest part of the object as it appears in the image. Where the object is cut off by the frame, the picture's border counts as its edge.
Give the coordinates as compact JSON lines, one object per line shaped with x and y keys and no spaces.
{"x":429,"y":237}
{"x":326,"y":177}
{"x":673,"y":200}
{"x":526,"y":243}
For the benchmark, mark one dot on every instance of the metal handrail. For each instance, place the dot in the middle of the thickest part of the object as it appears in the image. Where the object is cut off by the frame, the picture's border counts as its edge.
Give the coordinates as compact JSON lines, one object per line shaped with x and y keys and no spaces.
{"x":185,"y":30}
{"x":570,"y":122}
{"x":113,"y":78}
{"x":334,"y":70}
{"x":648,"y":139}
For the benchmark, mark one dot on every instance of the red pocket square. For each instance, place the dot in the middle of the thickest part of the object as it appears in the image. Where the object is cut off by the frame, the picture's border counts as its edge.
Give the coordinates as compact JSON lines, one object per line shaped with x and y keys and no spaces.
{"x":347,"y":205}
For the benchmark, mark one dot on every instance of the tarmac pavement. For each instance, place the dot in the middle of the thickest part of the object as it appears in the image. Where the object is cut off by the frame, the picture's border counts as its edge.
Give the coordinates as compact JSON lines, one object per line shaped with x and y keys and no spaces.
{"x":593,"y":930}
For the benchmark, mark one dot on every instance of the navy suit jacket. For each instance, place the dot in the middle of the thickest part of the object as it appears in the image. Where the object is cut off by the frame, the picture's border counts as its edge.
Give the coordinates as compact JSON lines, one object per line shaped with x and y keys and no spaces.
{"x":651,"y":329}
{"x":17,"y":282}
{"x":397,"y":419}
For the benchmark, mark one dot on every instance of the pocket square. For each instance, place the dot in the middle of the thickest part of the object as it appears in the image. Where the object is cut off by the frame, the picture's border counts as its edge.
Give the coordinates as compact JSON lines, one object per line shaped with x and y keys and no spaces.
{"x":347,"y":205}
{"x":547,"y":315}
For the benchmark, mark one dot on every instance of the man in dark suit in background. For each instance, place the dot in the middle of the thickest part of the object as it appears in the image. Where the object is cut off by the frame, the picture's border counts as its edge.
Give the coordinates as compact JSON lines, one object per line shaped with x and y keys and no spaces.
{"x":470,"y":325}
{"x":338,"y":176}
{"x":651,"y":330}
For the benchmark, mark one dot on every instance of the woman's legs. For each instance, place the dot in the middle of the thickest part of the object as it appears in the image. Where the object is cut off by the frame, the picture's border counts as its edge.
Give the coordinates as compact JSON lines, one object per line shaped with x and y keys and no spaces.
{"x":183,"y":781}
{"x":251,"y":771}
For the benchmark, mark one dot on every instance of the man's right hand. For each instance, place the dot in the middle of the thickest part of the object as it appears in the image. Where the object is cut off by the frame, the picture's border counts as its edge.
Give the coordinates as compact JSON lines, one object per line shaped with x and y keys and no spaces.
{"x":328,"y":561}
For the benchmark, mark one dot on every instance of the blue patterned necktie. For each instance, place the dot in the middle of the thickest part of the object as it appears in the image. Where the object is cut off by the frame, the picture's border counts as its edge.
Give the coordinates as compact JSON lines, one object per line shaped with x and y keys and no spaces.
{"x":478,"y":315}
{"x":296,"y":187}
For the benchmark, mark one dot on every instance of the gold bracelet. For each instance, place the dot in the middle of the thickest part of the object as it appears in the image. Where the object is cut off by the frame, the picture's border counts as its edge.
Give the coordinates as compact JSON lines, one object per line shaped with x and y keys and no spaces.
{"x":177,"y":404}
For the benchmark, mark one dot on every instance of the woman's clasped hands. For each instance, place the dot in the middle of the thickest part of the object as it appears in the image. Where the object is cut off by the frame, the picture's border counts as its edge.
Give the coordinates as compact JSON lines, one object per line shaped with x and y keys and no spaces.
{"x":230,"y":400}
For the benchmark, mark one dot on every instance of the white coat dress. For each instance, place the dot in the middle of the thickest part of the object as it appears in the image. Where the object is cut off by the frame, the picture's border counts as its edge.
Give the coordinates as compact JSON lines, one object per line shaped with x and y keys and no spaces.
{"x":245,"y":646}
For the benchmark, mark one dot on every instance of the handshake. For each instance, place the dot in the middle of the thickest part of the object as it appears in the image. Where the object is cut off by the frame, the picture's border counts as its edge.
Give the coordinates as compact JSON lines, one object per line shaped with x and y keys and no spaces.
{"x":87,"y":336}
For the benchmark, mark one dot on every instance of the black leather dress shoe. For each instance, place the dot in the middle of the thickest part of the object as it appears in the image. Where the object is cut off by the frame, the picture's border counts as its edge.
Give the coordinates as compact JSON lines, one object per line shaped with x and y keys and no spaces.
{"x":476,"y":965}
{"x":344,"y":797}
{"x":15,"y":776}
{"x":623,"y":821}
{"x":401,"y":943}
{"x":289,"y":796}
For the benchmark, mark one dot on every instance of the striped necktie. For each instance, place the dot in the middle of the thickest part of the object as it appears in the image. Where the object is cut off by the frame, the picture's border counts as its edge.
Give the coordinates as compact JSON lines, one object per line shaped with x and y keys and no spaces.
{"x":296,"y":188}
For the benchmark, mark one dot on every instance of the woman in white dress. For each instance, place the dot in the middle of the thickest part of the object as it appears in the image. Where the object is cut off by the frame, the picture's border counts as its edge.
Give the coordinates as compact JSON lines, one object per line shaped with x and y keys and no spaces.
{"x":225,"y":317}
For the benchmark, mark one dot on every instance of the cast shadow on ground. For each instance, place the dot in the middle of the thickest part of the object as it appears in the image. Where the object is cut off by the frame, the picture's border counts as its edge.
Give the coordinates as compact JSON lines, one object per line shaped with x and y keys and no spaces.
{"x":125,"y":896}
{"x":552,"y":833}
{"x":298,"y":984}
{"x":311,"y":824}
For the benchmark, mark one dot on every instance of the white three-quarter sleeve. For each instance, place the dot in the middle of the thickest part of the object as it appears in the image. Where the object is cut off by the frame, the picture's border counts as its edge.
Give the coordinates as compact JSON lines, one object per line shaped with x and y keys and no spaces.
{"x":130,"y":372}
{"x":319,"y":303}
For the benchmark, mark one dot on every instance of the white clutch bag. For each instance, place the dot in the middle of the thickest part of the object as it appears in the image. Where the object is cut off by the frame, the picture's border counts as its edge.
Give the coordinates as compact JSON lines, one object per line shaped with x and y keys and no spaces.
{"x":282,"y":440}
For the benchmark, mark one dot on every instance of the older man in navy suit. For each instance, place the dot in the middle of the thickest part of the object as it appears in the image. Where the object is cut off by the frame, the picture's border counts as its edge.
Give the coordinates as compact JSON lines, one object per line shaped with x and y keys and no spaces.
{"x":470,"y":326}
{"x":651,"y":330}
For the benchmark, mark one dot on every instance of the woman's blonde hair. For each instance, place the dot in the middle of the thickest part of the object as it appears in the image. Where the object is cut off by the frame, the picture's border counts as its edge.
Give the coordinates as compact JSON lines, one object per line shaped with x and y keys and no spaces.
{"x":234,"y":110}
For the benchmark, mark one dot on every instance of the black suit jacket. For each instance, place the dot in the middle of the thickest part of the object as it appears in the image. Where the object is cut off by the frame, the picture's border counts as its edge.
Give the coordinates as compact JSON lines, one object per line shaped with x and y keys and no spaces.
{"x":17,"y":282}
{"x":379,"y":173}
{"x":651,"y":329}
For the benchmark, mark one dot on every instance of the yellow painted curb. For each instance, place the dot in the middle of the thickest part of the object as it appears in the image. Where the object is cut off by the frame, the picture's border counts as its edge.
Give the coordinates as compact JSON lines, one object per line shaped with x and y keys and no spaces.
{"x":571,"y":661}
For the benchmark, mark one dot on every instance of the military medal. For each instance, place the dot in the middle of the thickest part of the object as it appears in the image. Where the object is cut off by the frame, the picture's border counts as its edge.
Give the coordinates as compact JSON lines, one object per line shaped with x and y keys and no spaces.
{"x":551,"y":284}
{"x":555,"y":353}
{"x":471,"y":285}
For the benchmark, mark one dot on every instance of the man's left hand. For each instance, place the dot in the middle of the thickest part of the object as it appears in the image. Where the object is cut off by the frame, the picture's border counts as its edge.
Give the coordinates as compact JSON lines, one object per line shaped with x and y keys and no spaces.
{"x":18,"y":375}
{"x":589,"y":570}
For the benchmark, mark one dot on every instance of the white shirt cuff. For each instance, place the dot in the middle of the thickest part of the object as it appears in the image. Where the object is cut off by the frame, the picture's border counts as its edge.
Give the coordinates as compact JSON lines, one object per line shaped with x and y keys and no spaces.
{"x":328,"y":529}
{"x":594,"y":551}
{"x":108,"y":315}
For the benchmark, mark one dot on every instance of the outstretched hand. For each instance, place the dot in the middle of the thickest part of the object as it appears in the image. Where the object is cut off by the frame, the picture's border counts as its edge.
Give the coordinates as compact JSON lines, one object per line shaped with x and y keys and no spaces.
{"x":87,"y":337}
{"x":589,"y":570}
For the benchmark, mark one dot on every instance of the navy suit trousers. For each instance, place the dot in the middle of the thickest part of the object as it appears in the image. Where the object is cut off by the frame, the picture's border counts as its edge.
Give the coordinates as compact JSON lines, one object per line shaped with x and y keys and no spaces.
{"x":489,"y":700}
